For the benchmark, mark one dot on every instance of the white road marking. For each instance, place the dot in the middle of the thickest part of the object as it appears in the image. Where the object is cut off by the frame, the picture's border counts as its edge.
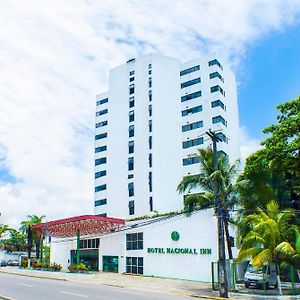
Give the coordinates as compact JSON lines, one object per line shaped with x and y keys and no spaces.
{"x":78,"y":295}
{"x":25,"y":284}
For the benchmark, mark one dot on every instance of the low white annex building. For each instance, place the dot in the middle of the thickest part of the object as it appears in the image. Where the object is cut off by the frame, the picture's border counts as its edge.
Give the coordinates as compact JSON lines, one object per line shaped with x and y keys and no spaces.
{"x":149,"y":125}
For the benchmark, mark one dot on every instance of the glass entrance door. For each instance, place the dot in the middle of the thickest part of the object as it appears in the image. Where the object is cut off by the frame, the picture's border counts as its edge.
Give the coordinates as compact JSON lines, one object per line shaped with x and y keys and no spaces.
{"x":110,"y":263}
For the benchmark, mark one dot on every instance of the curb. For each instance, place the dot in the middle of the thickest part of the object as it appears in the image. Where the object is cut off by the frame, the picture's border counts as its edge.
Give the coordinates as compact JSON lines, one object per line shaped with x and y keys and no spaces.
{"x":208,"y":297}
{"x":34,"y":276}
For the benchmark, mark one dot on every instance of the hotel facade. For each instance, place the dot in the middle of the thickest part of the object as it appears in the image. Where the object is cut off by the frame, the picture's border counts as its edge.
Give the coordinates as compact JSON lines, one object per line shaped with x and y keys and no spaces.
{"x":149,"y":124}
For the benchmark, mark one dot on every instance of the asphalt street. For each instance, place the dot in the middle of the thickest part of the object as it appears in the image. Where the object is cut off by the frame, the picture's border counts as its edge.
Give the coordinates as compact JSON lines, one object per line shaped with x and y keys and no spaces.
{"x":27,"y":288}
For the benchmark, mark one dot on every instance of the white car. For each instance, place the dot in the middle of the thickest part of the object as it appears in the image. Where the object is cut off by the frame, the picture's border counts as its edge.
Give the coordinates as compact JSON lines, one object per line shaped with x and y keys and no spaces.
{"x":263,"y":277}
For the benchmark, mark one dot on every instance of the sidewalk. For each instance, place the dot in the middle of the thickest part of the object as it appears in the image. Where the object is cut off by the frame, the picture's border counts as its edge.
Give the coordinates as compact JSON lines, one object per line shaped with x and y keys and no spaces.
{"x":141,"y":283}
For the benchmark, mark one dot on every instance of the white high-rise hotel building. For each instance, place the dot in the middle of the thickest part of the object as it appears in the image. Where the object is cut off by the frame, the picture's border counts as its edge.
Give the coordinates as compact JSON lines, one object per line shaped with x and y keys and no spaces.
{"x":149,"y":125}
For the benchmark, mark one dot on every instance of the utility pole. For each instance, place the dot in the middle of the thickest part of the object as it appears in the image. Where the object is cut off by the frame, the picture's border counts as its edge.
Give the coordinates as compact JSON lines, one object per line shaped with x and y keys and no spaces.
{"x":223,"y":284}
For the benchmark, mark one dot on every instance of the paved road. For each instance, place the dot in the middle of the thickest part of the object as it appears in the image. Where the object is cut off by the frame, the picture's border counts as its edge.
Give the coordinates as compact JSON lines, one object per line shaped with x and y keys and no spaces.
{"x":28,"y":288}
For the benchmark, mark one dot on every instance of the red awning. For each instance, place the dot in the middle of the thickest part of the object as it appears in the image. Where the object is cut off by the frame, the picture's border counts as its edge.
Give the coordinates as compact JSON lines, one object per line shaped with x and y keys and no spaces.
{"x":86,"y":225}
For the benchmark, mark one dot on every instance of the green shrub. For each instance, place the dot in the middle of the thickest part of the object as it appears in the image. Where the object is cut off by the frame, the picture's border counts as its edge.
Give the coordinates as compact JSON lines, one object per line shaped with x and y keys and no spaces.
{"x":72,"y":268}
{"x":55,"y":267}
{"x":81,"y":267}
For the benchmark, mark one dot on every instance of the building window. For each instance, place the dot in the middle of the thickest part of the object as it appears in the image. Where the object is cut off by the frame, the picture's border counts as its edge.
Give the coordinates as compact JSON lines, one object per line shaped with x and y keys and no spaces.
{"x":150,"y":160}
{"x":222,"y":153}
{"x":131,"y":73}
{"x":131,"y":79}
{"x":190,"y":82}
{"x":130,"y":147}
{"x":101,"y":112}
{"x":89,"y":243}
{"x":218,"y":119}
{"x":150,"y":110}
{"x":150,"y":82}
{"x":100,"y":188}
{"x":134,"y":265}
{"x":192,"y":143}
{"x":131,"y":102}
{"x":130,"y":189}
{"x":149,"y":72}
{"x":150,"y":142}
{"x":100,"y":174}
{"x":150,"y":125}
{"x":215,"y":62}
{"x":100,"y":149}
{"x":149,"y":66}
{"x":217,"y":88}
{"x":217,"y":103}
{"x":134,"y":241}
{"x":189,"y":70}
{"x":216,"y":75}
{"x":131,"y":131}
{"x":222,"y":137}
{"x":130,"y":176}
{"x":131,"y":207}
{"x":100,"y":161}
{"x":131,"y":89}
{"x":190,"y":160}
{"x":192,"y":126}
{"x":151,"y":203}
{"x":130,"y":163}
{"x":102,"y":215}
{"x":100,"y":202}
{"x":150,"y":95}
{"x":191,"y":96}
{"x":192,"y":110}
{"x":101,"y":124}
{"x":100,"y":136}
{"x":102,"y":101}
{"x":150,"y":181}
{"x":131,"y":116}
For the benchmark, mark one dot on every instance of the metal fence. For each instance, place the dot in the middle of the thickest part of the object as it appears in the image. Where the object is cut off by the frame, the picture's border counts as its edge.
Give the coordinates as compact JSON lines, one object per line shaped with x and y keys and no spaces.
{"x":289,"y":276}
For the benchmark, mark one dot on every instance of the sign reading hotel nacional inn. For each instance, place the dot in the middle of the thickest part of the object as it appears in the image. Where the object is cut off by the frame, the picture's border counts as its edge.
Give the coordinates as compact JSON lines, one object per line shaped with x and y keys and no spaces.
{"x":206,"y":251}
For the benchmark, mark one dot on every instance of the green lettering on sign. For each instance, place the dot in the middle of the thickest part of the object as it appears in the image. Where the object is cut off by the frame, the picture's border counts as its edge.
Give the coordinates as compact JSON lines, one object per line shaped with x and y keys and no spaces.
{"x":203,"y":251}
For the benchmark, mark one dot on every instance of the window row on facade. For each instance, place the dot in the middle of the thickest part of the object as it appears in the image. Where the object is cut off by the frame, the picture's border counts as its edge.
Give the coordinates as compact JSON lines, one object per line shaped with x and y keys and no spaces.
{"x":102,"y":101}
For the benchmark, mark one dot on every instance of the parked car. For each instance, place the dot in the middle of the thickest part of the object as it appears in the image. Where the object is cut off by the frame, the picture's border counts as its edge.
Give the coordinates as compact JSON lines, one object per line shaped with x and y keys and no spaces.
{"x":263,"y":277}
{"x":13,"y":262}
{"x":3,"y":263}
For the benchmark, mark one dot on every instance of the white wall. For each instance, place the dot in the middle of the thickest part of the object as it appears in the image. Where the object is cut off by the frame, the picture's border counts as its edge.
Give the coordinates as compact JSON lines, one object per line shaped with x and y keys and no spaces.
{"x":60,"y":251}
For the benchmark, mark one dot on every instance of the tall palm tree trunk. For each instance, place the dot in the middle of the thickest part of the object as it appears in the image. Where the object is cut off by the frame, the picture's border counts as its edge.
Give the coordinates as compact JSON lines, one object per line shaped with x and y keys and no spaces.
{"x":37,"y":249}
{"x":228,"y":242}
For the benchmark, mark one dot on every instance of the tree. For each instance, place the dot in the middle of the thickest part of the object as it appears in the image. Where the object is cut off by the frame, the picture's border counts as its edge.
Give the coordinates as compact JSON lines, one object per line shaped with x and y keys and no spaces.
{"x":15,"y":242}
{"x":4,"y":228}
{"x":261,"y":181}
{"x":267,"y":237}
{"x":26,"y":227}
{"x":206,"y":181}
{"x":277,"y":165}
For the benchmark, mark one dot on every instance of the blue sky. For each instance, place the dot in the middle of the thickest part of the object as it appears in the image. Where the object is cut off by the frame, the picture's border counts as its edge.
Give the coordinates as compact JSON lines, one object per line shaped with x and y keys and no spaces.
{"x":55,"y":58}
{"x":269,"y":76}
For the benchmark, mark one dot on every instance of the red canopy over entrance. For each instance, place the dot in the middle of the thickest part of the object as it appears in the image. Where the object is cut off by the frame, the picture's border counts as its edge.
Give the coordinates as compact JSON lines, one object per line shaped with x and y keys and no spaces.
{"x":85,"y":225}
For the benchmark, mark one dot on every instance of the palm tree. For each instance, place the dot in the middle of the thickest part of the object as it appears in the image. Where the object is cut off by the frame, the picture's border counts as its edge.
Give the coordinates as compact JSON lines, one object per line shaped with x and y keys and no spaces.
{"x":206,"y":181}
{"x":290,"y":251}
{"x":4,"y":228}
{"x":26,"y":227}
{"x":267,"y":237}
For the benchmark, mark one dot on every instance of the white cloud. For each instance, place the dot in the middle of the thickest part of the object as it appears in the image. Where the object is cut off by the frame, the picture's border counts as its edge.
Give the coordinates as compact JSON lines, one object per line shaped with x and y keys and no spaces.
{"x":54,"y":58}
